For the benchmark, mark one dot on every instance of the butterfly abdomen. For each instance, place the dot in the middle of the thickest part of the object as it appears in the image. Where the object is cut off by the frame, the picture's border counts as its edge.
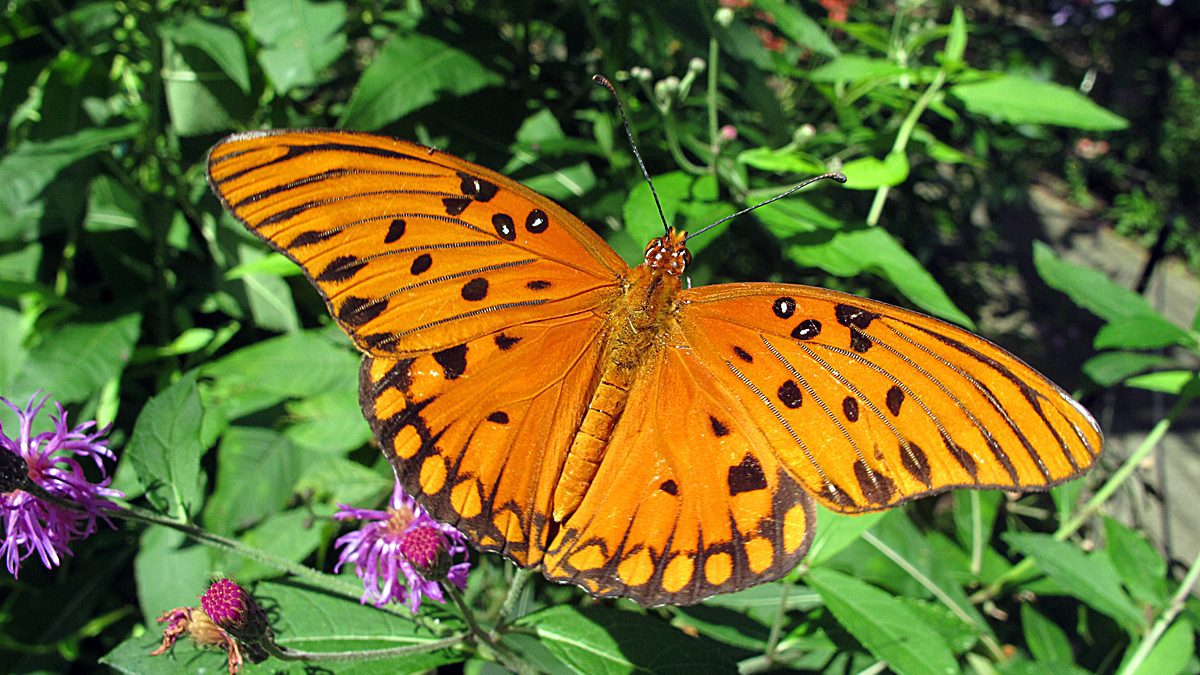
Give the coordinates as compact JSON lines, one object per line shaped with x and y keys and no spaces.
{"x":634,"y":327}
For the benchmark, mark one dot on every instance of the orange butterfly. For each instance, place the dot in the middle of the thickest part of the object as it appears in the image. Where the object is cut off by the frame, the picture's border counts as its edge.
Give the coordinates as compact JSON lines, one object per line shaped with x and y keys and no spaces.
{"x":603,"y":423}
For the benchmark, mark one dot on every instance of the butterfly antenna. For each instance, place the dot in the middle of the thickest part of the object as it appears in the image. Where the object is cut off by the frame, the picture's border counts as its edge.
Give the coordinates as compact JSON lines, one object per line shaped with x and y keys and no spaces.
{"x":833,"y":175}
{"x":603,"y":81}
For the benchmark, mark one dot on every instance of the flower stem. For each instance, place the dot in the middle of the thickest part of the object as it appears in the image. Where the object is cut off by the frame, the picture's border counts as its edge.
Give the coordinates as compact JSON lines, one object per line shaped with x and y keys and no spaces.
{"x":902,"y":136}
{"x":287,"y":654}
{"x":1164,"y":621}
{"x":520,"y":578}
{"x":326,"y":582}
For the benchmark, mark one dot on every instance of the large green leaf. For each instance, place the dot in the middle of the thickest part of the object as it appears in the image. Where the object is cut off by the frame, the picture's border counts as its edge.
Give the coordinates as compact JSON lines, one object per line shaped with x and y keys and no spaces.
{"x":242,"y":498}
{"x":221,"y":43}
{"x":1088,"y":577}
{"x":1021,"y":100}
{"x":888,"y":627}
{"x":1173,"y":653}
{"x":868,"y":173}
{"x":410,"y":72}
{"x":1141,"y":568}
{"x":30,"y":167}
{"x":1087,"y":287}
{"x":1047,"y":642}
{"x":598,"y":640}
{"x":300,"y":39}
{"x":165,"y":448}
{"x":73,"y":362}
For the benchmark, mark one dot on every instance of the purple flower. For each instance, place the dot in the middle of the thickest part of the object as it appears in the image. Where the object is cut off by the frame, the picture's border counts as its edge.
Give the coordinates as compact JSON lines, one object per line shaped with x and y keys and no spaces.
{"x":402,"y":553}
{"x":52,"y":467}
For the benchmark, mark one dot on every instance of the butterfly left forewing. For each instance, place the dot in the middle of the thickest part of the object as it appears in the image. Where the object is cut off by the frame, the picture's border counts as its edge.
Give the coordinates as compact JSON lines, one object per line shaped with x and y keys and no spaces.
{"x":870,"y":405}
{"x":689,"y":500}
{"x":413,"y":250}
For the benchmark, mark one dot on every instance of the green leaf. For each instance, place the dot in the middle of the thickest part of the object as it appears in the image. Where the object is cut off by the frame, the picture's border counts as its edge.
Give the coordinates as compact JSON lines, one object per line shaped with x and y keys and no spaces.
{"x":536,"y":141}
{"x":1088,"y":288}
{"x":30,"y":167}
{"x":641,"y":217}
{"x":792,"y":216}
{"x":112,"y":207}
{"x":334,"y":480}
{"x":801,"y":28}
{"x":1020,"y":100}
{"x":1141,"y":568}
{"x":266,"y":373}
{"x":782,"y":160}
{"x":1088,"y":577}
{"x":1174,"y":652}
{"x":165,"y":448}
{"x":300,"y":39}
{"x":956,"y":44}
{"x":1047,"y":642}
{"x":871,"y":249}
{"x":411,"y":72}
{"x":597,"y":640}
{"x":242,"y":498}
{"x":73,"y":362}
{"x":220,"y":43}
{"x":1142,"y":331}
{"x":885,"y":625}
{"x":329,"y":422}
{"x":1166,"y":381}
{"x":869,"y":173}
{"x":853,"y":68}
{"x":1111,"y":368}
{"x":200,"y":99}
{"x":271,"y":264}
{"x":836,"y":531}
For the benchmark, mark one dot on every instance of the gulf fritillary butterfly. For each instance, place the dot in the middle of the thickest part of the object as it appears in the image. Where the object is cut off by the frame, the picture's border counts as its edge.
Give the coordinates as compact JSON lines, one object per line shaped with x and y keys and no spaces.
{"x":602,"y":422}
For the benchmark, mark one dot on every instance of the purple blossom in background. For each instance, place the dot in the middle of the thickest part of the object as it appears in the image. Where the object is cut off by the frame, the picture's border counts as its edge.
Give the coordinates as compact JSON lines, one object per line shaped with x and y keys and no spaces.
{"x":401,"y":553}
{"x":52,"y":462}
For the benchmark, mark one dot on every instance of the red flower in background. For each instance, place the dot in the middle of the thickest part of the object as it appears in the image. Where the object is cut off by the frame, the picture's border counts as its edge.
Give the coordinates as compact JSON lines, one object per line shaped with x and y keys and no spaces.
{"x":837,"y":9}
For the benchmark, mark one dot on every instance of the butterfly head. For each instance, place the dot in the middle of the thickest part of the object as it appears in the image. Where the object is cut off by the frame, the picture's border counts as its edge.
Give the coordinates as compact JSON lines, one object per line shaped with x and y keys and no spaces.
{"x":669,"y":253}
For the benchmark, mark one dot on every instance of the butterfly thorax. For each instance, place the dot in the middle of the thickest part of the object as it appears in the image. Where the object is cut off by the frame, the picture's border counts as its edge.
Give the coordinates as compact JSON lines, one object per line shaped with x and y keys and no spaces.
{"x":636,"y":326}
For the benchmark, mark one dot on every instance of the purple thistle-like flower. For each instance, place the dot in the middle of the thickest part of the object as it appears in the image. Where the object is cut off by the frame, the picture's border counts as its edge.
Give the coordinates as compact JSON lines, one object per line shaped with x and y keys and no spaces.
{"x":52,"y":462}
{"x":401,"y":553}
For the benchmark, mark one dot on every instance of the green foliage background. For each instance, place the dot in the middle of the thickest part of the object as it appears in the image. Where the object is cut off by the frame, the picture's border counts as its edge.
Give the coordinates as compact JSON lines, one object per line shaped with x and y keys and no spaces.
{"x":127,"y":294}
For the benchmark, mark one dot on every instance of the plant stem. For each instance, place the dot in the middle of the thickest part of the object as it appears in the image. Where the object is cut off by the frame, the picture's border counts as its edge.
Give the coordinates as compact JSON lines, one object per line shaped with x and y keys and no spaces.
{"x":982,"y":630}
{"x":711,"y":101}
{"x":777,"y":624}
{"x":1102,"y":495}
{"x":902,"y":137}
{"x":327,"y":582}
{"x":520,"y":578}
{"x":286,"y":654}
{"x":1164,"y":620}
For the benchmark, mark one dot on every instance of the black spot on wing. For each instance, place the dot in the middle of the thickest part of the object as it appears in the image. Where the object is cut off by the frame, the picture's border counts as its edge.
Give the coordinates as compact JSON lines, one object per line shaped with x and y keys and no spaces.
{"x":356,"y":311}
{"x":341,"y":268}
{"x":807,"y":329}
{"x":395,"y":231}
{"x":719,"y":428}
{"x":783,"y":307}
{"x":498,"y":417}
{"x":859,"y":341}
{"x":849,"y":315}
{"x":421,"y":264}
{"x":789,"y":394}
{"x":876,"y":487}
{"x":453,"y":361}
{"x":310,"y":237}
{"x":456,"y":205}
{"x":476,"y":188}
{"x":506,"y":342}
{"x":916,"y":462}
{"x":746,"y":476}
{"x":743,"y":354}
{"x":895,"y":397}
{"x":475,"y":289}
{"x":669,"y":487}
{"x":505,"y":227}
{"x":537,"y":222}
{"x":850,"y":408}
